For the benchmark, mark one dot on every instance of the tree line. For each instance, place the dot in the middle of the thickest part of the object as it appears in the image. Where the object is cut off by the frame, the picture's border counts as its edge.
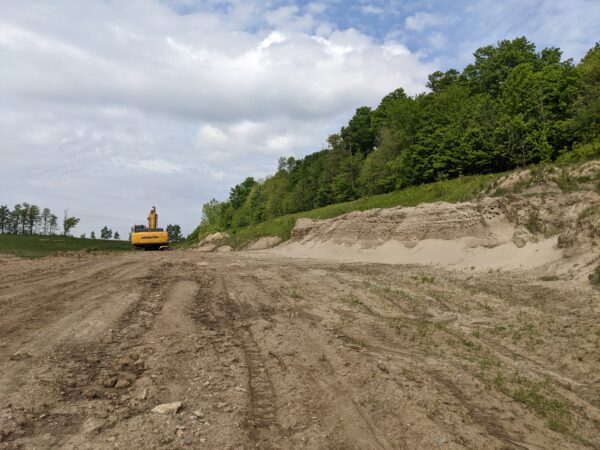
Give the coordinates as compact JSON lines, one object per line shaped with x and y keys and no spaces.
{"x":511,"y":107}
{"x":27,"y":218}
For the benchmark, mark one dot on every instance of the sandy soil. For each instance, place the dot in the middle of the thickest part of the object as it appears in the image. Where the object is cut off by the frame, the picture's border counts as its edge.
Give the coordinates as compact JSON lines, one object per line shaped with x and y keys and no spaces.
{"x":271,"y":352}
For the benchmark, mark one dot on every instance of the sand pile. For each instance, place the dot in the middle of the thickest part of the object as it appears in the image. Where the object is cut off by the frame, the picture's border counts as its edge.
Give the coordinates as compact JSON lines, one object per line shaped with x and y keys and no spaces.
{"x":541,"y":226}
{"x":214,"y":242}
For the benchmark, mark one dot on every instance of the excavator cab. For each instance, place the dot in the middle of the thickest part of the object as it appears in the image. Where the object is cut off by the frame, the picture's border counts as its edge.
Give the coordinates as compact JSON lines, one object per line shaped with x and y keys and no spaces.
{"x":150,"y":237}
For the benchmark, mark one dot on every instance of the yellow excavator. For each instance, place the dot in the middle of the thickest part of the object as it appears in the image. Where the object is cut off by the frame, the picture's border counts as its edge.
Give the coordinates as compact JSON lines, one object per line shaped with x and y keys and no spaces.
{"x":150,"y":237}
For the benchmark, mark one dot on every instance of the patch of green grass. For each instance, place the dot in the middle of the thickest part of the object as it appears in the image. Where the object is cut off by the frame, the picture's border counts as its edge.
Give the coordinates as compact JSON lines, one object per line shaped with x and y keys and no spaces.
{"x":555,"y":412}
{"x":487,"y":361}
{"x":567,"y":182}
{"x":295,"y":294}
{"x":499,"y":380}
{"x":498,"y":329}
{"x":26,"y":246}
{"x":360,"y":342}
{"x":467,"y":343}
{"x":427,"y":279}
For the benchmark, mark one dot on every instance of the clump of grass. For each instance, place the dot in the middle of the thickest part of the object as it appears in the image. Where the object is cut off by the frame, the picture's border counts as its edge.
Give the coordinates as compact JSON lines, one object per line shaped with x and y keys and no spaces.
{"x":590,"y":211}
{"x":594,"y":277}
{"x":554,"y":411}
{"x":353,"y":300}
{"x":498,"y":329}
{"x":295,"y":294}
{"x":427,"y":279}
{"x":534,"y":223}
{"x":499,"y":380}
{"x":567,"y":182}
{"x":549,"y":278}
{"x":360,"y":342}
{"x":467,"y":343}
{"x":397,"y":324}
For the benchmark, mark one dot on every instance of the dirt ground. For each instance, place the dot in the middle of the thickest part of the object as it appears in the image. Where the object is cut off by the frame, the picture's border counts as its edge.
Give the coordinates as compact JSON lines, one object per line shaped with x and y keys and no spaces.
{"x":271,"y":352}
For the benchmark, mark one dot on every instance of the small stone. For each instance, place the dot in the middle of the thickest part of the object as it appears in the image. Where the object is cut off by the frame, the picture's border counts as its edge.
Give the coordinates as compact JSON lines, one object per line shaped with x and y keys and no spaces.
{"x":42,"y":416}
{"x":167,"y":408}
{"x":203,"y":440}
{"x":109,"y":382}
{"x":19,"y":356}
{"x":198,"y":414}
{"x":382,"y":367}
{"x":207,"y":383}
{"x":89,"y":393}
{"x":143,"y":395}
{"x":187,"y":440}
{"x":122,"y":384}
{"x":111,"y":439}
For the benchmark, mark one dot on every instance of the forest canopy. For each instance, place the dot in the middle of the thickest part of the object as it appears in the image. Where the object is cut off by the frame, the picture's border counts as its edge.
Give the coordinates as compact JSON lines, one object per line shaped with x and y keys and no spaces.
{"x":511,"y":107}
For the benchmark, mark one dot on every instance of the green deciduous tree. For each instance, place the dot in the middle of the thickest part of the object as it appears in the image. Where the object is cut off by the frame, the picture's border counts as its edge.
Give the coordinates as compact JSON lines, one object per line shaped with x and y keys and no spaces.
{"x":4,"y":218}
{"x":106,"y":233}
{"x":69,"y":223}
{"x":510,"y":107}
{"x":174,"y":233}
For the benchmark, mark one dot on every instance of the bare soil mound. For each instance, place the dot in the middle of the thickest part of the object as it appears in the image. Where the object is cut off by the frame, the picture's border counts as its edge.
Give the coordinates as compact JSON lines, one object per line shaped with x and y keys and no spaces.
{"x":549,"y":220}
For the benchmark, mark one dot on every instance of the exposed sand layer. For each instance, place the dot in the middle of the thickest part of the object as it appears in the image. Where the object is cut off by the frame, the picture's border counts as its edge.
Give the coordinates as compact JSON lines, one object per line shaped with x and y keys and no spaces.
{"x":546,"y":230}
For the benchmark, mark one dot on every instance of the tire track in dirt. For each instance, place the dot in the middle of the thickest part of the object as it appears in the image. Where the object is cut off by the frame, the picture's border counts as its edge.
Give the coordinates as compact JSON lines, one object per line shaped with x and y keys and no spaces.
{"x":75,"y":371}
{"x":276,"y":288}
{"x":262,"y":408}
{"x":227,"y":313}
{"x":52,"y":302}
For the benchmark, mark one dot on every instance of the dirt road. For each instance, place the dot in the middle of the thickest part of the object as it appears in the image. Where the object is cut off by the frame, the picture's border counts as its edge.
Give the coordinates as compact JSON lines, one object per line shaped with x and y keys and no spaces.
{"x":266,"y":352}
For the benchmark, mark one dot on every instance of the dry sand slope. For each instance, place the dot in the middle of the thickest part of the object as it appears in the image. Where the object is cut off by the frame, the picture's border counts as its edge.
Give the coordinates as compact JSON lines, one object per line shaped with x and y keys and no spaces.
{"x":543,"y":226}
{"x":271,"y":352}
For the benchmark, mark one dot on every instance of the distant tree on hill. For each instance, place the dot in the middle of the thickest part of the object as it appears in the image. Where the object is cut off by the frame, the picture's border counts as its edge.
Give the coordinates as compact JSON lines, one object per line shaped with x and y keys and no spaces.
{"x":117,"y":236}
{"x":69,"y":223}
{"x":174,"y":233}
{"x":45,"y":220}
{"x":4,"y":218}
{"x":23,"y":213}
{"x":53,"y":224}
{"x":106,"y":233}
{"x":33,"y":217}
{"x":92,"y":235}
{"x":82,"y":236}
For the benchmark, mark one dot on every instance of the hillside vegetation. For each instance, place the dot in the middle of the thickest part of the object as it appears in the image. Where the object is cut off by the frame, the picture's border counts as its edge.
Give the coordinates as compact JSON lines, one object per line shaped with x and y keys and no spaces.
{"x":39,"y":246}
{"x":513,"y":106}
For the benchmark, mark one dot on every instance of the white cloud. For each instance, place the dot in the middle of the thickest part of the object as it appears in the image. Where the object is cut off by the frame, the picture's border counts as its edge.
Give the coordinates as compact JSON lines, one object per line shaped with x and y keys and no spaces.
{"x":437,"y":40}
{"x":117,"y":106}
{"x":372,"y":9}
{"x":419,"y":21}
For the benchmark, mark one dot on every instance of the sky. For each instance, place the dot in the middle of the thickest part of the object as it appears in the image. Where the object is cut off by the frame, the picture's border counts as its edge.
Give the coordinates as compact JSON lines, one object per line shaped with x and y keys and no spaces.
{"x":109,"y":107}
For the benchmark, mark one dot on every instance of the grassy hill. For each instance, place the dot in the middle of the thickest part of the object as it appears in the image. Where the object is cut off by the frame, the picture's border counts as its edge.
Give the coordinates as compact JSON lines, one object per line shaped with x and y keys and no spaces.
{"x":40,"y":246}
{"x":456,"y":190}
{"x":453,"y":190}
